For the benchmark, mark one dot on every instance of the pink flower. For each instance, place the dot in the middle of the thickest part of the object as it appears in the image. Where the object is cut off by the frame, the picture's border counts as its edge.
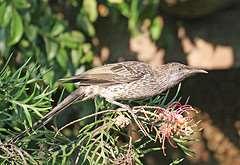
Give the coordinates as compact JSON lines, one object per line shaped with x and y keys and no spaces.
{"x":173,"y":121}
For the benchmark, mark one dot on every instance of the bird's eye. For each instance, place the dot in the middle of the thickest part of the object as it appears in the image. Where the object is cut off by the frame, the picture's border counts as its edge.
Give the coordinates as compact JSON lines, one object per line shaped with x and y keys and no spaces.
{"x":179,"y":69}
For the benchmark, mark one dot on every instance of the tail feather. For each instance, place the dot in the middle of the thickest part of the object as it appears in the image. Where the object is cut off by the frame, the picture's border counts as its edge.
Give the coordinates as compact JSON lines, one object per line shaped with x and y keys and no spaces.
{"x":74,"y":96}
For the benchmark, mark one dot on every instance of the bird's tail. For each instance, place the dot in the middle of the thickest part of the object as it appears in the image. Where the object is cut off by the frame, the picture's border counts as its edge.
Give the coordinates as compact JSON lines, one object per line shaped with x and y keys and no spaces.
{"x":78,"y":94}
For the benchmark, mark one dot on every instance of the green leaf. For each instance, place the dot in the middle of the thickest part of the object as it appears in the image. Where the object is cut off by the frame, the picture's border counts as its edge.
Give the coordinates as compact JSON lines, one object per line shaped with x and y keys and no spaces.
{"x":21,"y":4}
{"x":16,"y":29}
{"x":71,"y":39}
{"x":5,"y":14}
{"x":176,"y":161}
{"x":62,"y":58}
{"x":90,"y":7}
{"x":85,"y":24}
{"x":156,"y":28}
{"x":28,"y":116}
{"x":66,"y":40}
{"x":124,"y":8}
{"x":3,"y":69}
{"x":2,"y":12}
{"x":76,"y":56}
{"x":134,"y":16}
{"x":77,"y":37}
{"x":115,"y":1}
{"x":24,"y":43}
{"x":57,"y":29}
{"x":31,"y":32}
{"x":51,"y":48}
{"x":48,"y":77}
{"x":87,"y":58}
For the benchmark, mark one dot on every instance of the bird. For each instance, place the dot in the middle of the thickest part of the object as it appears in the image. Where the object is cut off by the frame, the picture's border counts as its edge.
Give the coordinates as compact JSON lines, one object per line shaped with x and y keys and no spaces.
{"x":129,"y":80}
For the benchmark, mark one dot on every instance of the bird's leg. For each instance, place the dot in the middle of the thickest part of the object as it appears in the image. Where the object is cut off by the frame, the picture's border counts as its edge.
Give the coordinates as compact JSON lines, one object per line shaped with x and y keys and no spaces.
{"x":124,"y":106}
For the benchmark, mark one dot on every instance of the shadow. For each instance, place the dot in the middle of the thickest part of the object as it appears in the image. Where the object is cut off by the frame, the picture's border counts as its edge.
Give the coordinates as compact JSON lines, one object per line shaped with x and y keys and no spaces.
{"x":217,"y":94}
{"x":218,"y":29}
{"x":114,"y":36}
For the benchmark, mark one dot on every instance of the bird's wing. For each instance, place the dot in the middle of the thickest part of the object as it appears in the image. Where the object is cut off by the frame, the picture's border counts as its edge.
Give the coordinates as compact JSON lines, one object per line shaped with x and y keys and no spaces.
{"x":117,"y":73}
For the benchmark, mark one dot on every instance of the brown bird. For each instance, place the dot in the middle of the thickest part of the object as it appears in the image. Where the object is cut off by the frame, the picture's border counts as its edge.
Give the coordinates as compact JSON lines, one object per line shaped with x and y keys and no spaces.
{"x":120,"y":81}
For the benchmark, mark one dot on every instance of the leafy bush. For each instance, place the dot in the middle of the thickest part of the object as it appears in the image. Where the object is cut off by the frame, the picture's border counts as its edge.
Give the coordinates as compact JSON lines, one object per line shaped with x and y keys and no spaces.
{"x":46,"y":34}
{"x":104,"y":137}
{"x":38,"y":29}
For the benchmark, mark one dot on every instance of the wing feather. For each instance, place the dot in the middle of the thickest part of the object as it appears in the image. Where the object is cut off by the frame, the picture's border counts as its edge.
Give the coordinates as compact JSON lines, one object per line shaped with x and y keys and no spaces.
{"x":117,"y":73}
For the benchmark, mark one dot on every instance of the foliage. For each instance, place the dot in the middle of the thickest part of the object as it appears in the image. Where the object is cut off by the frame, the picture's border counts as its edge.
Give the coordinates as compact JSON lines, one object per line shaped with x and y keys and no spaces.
{"x":57,"y":35}
{"x":103,"y":137}
{"x":137,"y":12}
{"x":47,"y":39}
{"x":23,"y":97}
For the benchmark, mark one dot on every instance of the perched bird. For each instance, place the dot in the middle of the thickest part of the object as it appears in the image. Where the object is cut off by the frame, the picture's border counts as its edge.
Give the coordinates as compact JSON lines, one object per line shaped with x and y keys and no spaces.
{"x":120,"y":81}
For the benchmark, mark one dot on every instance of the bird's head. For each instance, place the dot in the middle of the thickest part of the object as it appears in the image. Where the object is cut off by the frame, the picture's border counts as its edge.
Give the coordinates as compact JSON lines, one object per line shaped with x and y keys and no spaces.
{"x":176,"y":72}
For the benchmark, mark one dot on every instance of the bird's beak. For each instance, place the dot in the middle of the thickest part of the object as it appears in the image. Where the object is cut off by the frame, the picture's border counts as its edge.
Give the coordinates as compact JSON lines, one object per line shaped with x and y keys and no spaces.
{"x":197,"y":70}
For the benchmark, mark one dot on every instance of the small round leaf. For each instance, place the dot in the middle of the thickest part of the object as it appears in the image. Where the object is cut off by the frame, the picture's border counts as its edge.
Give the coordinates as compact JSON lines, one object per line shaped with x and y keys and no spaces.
{"x":16,"y":29}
